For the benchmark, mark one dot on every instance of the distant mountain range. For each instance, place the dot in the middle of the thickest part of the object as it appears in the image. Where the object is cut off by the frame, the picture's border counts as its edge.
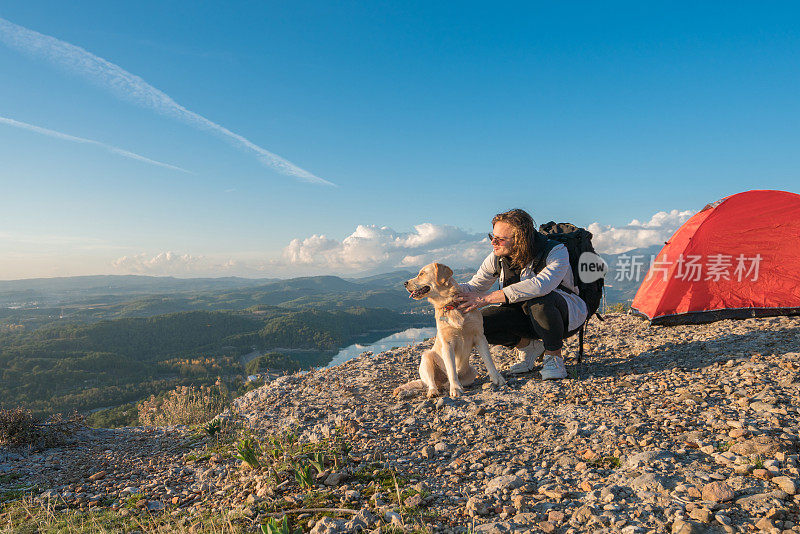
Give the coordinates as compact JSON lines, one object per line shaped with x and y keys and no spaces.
{"x":53,"y":291}
{"x":132,"y":295}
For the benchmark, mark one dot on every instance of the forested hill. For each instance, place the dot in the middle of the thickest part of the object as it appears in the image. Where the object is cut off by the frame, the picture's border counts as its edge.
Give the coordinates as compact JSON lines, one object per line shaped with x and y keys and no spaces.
{"x":86,"y":366}
{"x":73,"y":304}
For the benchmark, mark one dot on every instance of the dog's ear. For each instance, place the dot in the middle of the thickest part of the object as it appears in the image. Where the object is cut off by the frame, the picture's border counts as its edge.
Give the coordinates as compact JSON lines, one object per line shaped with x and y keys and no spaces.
{"x":442,"y":273}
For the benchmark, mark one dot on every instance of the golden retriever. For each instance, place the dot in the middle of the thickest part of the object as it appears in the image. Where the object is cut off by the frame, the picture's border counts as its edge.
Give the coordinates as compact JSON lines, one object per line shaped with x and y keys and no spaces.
{"x":456,"y":334}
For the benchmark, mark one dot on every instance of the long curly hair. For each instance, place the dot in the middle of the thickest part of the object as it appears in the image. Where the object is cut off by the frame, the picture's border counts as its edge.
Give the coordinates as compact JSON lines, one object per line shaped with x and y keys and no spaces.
{"x":524,"y":245}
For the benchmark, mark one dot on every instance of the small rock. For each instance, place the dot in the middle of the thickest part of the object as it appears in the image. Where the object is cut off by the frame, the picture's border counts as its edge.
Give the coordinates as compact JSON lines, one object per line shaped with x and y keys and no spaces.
{"x":646,"y":458}
{"x":393,"y":518}
{"x":648,"y":482}
{"x":503,"y":482}
{"x":494,"y":528}
{"x":687,"y":527}
{"x":547,"y":526}
{"x":328,"y":525}
{"x":763,"y":474}
{"x":413,"y":501}
{"x":765,"y":524}
{"x":477,"y":506}
{"x":718,"y":491}
{"x":723,"y":520}
{"x":334,"y":479}
{"x":763,"y":445}
{"x":155,"y":506}
{"x":786,"y":484}
{"x":701,"y":514}
{"x":49,"y":495}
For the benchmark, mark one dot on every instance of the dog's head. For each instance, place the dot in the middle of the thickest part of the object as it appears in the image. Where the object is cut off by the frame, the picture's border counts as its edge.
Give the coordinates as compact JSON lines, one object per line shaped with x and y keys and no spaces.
{"x":434,"y":281}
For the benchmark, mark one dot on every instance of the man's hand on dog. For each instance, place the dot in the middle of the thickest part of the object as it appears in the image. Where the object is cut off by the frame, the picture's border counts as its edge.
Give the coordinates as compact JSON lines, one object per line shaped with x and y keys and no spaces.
{"x":472,"y":301}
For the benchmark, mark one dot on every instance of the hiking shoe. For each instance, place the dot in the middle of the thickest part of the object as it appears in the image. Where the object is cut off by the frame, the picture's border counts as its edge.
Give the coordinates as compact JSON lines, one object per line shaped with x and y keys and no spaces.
{"x":553,"y":368}
{"x":527,"y":357}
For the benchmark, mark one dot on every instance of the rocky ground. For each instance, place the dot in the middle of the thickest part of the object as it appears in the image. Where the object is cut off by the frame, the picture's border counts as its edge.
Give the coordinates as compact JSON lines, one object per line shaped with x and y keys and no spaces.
{"x":660,"y":429}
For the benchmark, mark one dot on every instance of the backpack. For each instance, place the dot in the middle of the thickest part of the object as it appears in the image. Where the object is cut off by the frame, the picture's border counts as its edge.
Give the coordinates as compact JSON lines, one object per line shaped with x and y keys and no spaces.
{"x":577,"y":240}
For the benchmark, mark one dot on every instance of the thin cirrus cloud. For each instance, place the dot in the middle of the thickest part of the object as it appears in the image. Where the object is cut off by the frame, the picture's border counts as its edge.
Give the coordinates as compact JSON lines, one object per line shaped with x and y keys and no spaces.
{"x":74,"y":139}
{"x":134,"y":89}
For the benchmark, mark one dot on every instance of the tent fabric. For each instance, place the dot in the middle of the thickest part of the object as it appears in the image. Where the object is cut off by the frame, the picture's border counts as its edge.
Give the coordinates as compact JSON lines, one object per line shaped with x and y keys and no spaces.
{"x":738,"y":257}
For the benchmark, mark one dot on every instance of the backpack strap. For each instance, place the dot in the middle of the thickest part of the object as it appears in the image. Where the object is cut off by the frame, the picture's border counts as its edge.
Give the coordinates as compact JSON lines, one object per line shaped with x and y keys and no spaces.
{"x":543,"y":245}
{"x":498,"y":267}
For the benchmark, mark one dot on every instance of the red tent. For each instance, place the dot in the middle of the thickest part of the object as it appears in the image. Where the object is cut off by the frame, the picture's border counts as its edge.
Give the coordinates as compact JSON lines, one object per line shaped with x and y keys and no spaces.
{"x":738,"y":257}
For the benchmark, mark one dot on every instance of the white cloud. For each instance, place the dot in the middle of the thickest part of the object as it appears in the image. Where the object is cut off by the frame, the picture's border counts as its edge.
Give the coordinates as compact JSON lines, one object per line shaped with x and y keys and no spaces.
{"x":67,"y":137}
{"x":613,"y":240}
{"x":372,"y":249}
{"x":379,"y":248}
{"x":169,"y":263}
{"x":132,"y":88}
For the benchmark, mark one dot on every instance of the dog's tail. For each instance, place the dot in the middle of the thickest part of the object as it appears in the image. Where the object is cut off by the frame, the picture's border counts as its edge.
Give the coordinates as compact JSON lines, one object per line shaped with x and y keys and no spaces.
{"x":409,"y":388}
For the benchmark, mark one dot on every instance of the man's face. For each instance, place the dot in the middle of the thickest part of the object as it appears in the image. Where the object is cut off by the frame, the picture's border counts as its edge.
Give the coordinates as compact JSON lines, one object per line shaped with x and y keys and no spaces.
{"x":503,"y":238}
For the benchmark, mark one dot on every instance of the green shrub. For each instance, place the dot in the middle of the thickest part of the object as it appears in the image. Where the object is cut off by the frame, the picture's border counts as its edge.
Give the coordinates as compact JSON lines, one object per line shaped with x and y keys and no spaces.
{"x":248,"y":452}
{"x":19,"y":428}
{"x":273,"y":526}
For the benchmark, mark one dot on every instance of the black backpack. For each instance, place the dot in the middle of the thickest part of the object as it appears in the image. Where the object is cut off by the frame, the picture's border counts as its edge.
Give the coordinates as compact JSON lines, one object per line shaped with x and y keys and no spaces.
{"x":577,"y":240}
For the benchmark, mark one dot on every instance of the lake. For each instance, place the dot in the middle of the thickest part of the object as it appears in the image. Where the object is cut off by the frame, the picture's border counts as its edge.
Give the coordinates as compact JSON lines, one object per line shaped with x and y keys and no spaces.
{"x":407,"y":337}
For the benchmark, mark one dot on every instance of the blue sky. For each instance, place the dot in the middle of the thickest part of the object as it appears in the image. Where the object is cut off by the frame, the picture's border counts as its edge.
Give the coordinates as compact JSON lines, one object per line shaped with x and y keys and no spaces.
{"x":428,"y":119}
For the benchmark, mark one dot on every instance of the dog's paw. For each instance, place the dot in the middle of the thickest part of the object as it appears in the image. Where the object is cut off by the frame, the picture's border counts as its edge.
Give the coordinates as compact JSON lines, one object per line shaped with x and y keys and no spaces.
{"x":500,"y":381}
{"x":456,"y":392}
{"x":432,"y":393}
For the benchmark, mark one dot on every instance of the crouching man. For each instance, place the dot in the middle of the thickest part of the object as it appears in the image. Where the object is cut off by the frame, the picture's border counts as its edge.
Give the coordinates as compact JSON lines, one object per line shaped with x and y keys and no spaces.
{"x":538,"y":299}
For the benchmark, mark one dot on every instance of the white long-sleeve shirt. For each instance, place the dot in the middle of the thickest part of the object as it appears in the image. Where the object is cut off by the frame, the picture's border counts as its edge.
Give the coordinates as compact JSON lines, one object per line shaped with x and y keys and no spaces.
{"x":531,"y":285}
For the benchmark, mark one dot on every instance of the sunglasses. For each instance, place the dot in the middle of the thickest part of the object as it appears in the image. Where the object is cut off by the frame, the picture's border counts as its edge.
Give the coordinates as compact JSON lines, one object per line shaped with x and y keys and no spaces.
{"x":496,"y":239}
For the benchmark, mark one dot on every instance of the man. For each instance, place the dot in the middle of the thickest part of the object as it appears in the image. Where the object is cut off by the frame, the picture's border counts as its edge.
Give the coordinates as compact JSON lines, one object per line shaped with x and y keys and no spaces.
{"x":538,"y":301}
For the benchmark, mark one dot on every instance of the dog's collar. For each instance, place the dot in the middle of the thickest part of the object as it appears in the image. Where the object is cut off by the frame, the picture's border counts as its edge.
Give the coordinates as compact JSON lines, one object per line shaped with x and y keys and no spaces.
{"x":450,"y":306}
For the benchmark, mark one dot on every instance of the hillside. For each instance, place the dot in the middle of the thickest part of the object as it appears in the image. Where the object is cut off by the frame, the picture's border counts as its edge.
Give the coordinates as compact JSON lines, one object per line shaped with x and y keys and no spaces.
{"x":662,"y":429}
{"x":84,"y":366}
